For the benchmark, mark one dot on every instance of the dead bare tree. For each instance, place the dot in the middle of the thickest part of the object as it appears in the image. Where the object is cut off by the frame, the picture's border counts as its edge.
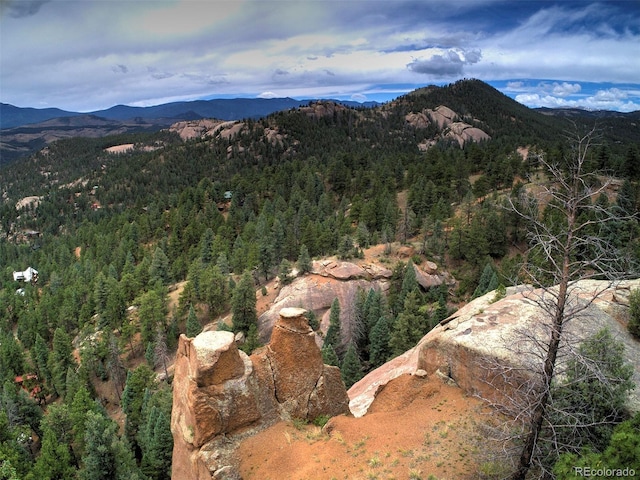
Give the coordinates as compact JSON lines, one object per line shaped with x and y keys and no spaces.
{"x":160,"y":351}
{"x":566,"y":243}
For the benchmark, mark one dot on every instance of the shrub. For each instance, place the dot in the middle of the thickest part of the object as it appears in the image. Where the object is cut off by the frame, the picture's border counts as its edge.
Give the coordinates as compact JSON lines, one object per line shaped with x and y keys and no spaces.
{"x":634,"y":314}
{"x":321,"y":420}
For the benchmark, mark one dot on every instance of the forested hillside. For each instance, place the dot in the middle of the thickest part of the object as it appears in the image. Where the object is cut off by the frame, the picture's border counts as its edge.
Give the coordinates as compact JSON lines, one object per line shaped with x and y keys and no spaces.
{"x":111,"y":234}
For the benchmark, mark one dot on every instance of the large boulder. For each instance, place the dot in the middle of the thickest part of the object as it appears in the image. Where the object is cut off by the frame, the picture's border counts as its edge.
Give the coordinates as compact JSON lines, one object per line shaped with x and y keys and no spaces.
{"x":214,"y":392}
{"x":317,"y":290}
{"x":449,"y":125}
{"x":220,"y":393}
{"x":303,"y":386}
{"x":487,"y":347}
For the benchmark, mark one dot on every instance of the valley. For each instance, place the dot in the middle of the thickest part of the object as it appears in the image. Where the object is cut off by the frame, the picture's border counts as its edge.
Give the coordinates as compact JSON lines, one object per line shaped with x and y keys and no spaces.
{"x":423,"y":237}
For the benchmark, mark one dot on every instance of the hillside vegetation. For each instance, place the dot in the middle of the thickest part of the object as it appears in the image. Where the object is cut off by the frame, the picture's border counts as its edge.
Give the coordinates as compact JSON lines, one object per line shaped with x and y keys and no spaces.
{"x":112,"y":234}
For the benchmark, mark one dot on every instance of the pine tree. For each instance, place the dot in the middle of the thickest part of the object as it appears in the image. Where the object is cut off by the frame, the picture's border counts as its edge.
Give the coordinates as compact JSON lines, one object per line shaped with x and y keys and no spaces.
{"x":60,"y":359}
{"x":313,"y":320}
{"x":252,"y":340}
{"x":441,"y":311}
{"x":243,"y":304}
{"x":278,"y":236}
{"x":408,"y":328}
{"x":333,"y":335}
{"x":372,"y":309}
{"x":304,"y":260}
{"x":394,"y":294}
{"x":239,"y":255}
{"x":100,"y":293}
{"x":159,"y":268}
{"x":345,"y":248}
{"x":138,"y":380}
{"x":284,"y":272}
{"x":379,"y":351}
{"x":152,"y":312}
{"x":55,"y":461}
{"x":40,"y":354}
{"x":351,"y":368}
{"x":591,"y":401}
{"x":117,"y":370}
{"x":157,"y":443}
{"x":206,"y":244}
{"x":99,"y":461}
{"x":223,"y":263}
{"x":72,"y":384}
{"x":485,"y":279}
{"x":81,"y":404}
{"x":214,"y":289}
{"x":329,"y":356}
{"x":409,"y":281}
{"x":115,"y":306}
{"x":266,"y":250}
{"x":193,"y":324}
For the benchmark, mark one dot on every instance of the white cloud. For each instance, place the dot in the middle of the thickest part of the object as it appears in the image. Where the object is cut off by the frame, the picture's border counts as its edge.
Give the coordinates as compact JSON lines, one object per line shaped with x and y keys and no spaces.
{"x":565,"y":89}
{"x":358,"y":97}
{"x":69,"y":52}
{"x":268,"y":95}
{"x":609,"y":99}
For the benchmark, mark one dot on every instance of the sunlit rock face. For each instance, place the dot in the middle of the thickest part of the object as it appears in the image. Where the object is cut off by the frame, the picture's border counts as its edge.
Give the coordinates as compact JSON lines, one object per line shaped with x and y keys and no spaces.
{"x":487,"y":347}
{"x":219,"y":392}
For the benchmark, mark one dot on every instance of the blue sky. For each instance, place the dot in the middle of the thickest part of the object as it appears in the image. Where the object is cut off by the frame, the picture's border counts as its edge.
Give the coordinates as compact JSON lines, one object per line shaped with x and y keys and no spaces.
{"x":92,"y":54}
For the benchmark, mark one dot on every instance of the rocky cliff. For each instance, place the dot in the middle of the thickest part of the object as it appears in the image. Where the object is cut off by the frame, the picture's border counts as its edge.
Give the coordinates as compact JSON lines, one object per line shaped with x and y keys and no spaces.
{"x":331,"y":279}
{"x":448,"y":123}
{"x":487,"y":347}
{"x":220,"y":394}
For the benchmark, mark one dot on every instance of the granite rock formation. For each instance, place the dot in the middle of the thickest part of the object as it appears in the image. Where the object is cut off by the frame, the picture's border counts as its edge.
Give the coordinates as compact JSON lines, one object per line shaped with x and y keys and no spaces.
{"x":221,"y":394}
{"x":331,"y":279}
{"x":483,"y":340}
{"x":449,"y":124}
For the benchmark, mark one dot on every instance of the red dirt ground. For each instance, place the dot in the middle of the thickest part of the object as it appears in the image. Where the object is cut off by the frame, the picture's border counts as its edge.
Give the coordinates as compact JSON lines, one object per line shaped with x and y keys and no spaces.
{"x":417,"y":428}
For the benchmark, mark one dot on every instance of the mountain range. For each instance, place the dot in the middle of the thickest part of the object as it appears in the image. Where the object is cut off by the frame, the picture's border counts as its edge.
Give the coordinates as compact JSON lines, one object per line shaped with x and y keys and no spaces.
{"x":25,"y":130}
{"x":223,"y":109}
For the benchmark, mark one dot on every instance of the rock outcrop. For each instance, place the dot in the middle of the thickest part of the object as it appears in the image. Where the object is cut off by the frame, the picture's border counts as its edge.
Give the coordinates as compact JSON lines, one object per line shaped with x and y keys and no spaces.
{"x":449,"y":125}
{"x":220,"y":393}
{"x":327,"y":281}
{"x":331,"y":279}
{"x":189,"y":129}
{"x":484,"y":350}
{"x":322,"y":108}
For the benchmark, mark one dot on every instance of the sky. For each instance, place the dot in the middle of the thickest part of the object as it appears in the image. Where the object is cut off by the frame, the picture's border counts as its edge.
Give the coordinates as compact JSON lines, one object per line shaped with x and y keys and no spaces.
{"x":87,"y":55}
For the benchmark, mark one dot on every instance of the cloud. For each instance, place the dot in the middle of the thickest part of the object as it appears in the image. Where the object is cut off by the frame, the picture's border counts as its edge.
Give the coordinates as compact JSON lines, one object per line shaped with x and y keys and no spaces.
{"x":21,"y":8}
{"x":159,"y":75}
{"x":565,"y":89}
{"x":120,"y":69}
{"x":68,"y":51}
{"x":268,"y":95}
{"x":358,"y":97}
{"x":604,"y":99}
{"x":516,"y":85}
{"x":450,"y":62}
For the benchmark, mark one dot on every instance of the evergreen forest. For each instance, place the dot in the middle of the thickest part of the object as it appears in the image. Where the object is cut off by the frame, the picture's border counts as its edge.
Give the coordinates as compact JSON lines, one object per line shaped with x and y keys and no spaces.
{"x":85,"y":345}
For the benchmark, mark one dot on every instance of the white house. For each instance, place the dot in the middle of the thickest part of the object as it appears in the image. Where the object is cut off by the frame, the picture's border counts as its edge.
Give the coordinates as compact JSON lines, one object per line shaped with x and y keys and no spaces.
{"x":30,"y":274}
